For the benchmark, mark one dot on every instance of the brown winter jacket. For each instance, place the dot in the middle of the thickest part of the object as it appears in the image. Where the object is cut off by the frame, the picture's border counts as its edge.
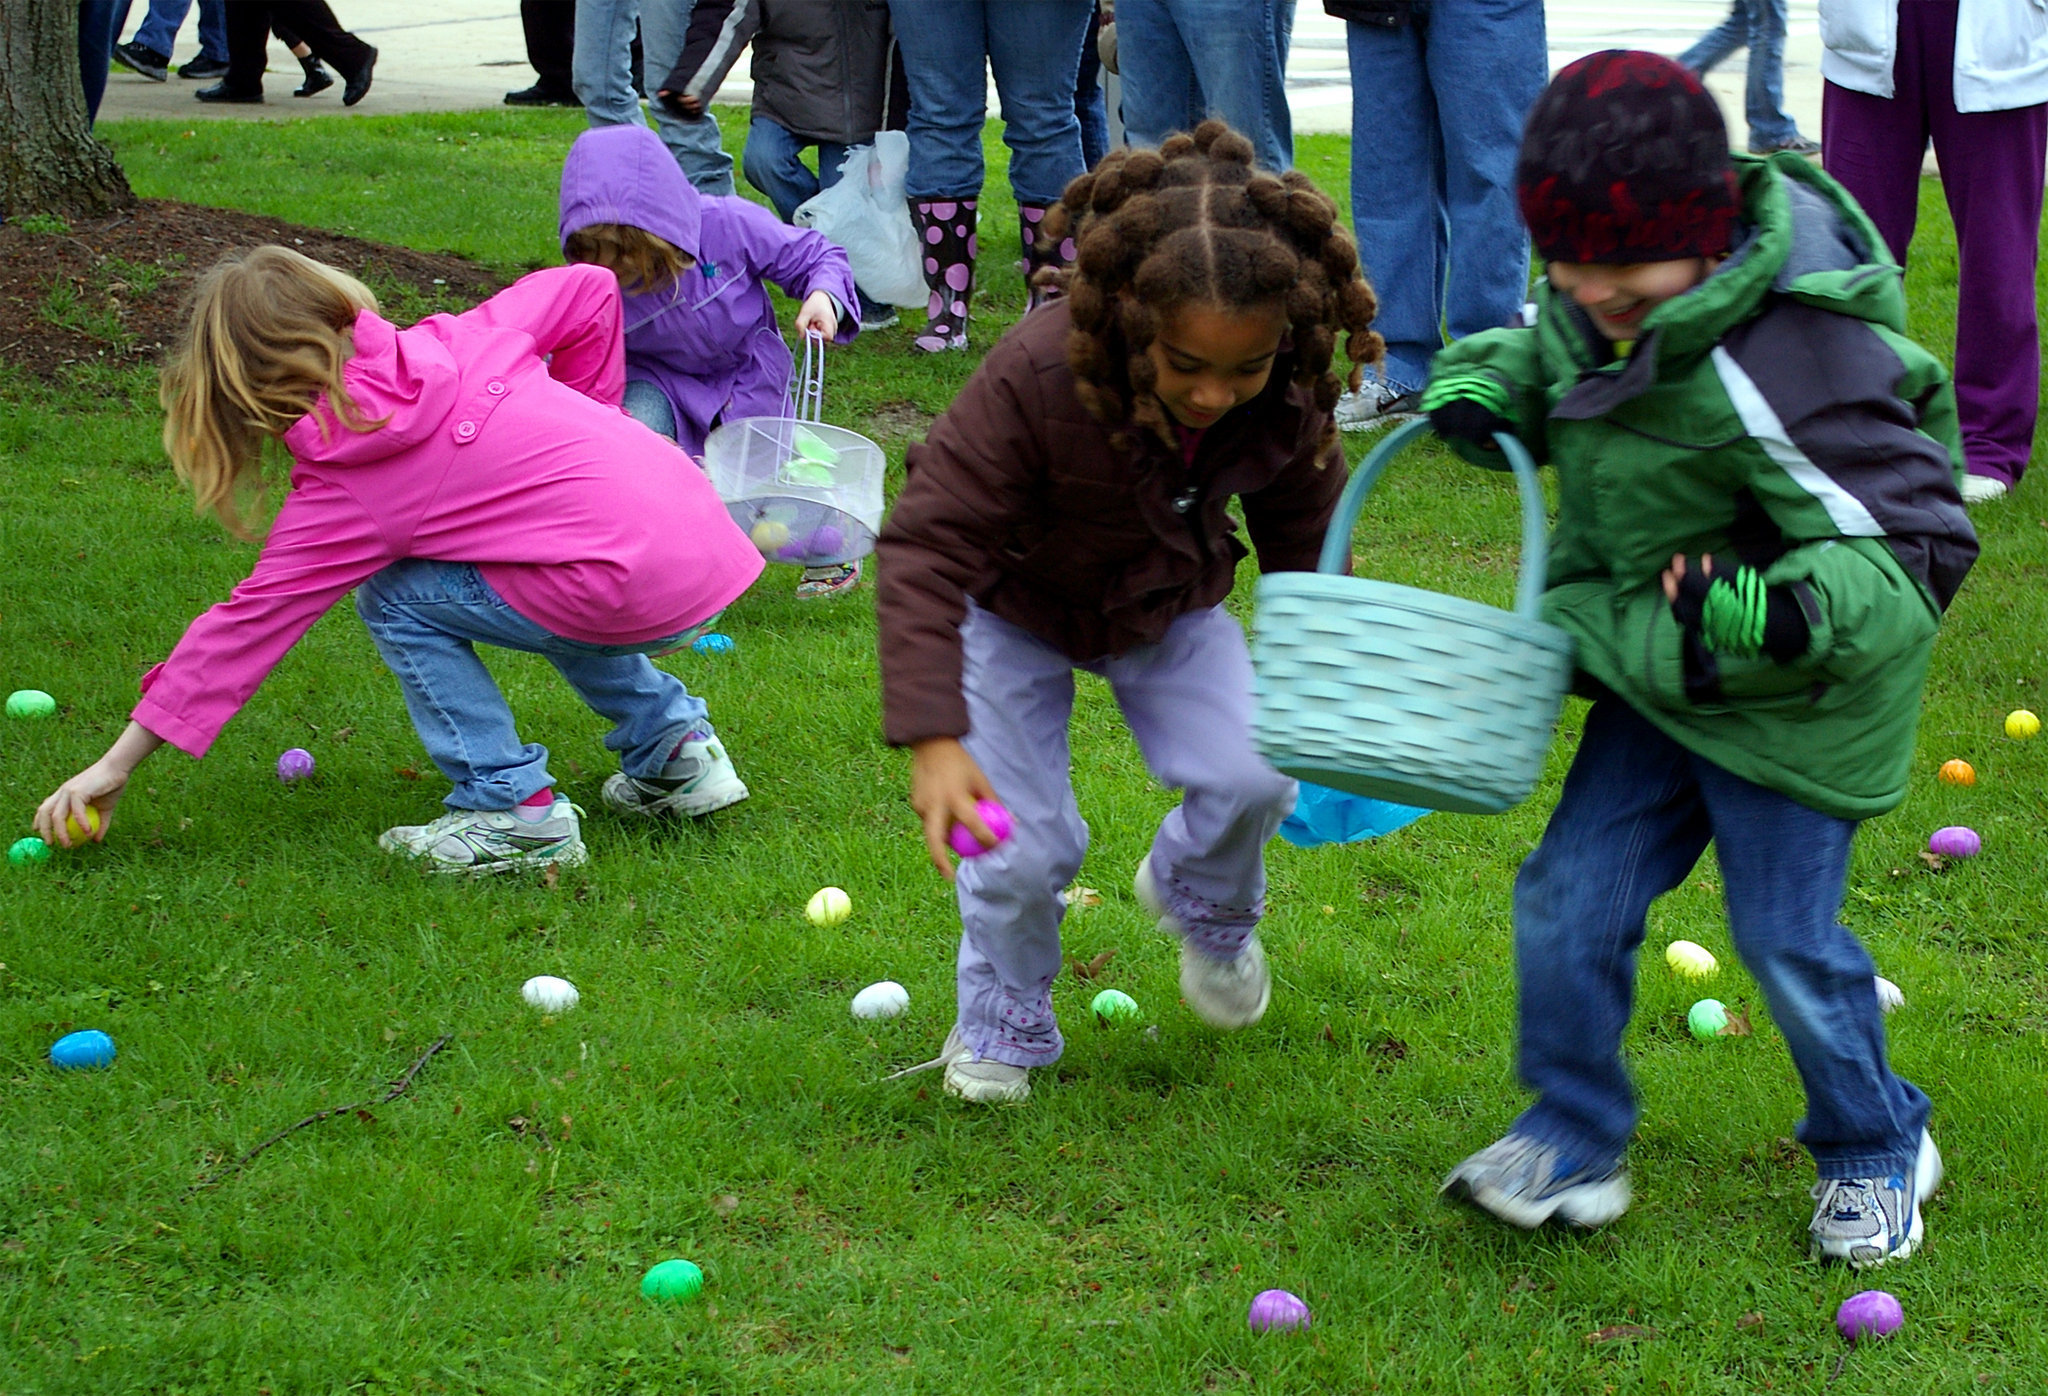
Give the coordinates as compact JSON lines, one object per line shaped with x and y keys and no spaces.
{"x":1017,"y":499}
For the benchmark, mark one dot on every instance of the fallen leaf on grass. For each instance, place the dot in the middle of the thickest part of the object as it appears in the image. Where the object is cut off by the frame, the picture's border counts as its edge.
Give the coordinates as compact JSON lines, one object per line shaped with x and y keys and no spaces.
{"x":1621,"y":1332}
{"x":551,"y":877}
{"x":1088,"y":969}
{"x":1737,"y":1024}
{"x":1934,"y":861}
{"x":725,"y":1204}
{"x":1749,"y":1322}
{"x":406,"y":772}
{"x":1080,"y":898}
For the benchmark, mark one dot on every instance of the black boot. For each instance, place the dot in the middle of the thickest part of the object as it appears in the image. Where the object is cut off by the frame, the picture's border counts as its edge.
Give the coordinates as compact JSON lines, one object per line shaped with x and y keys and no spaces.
{"x":1029,"y":216}
{"x":945,"y":230}
{"x":318,"y":79}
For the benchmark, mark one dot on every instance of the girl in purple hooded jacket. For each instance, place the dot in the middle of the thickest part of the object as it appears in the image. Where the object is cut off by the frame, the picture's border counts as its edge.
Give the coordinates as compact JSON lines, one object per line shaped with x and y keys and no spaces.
{"x":702,"y":345}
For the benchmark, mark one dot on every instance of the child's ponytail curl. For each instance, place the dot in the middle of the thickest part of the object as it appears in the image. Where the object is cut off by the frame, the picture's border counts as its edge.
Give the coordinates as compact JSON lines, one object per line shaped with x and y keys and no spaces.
{"x":1193,"y":221}
{"x":266,"y":332}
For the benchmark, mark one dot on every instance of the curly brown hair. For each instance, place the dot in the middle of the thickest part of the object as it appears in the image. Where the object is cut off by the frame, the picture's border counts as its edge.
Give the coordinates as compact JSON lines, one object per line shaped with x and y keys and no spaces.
{"x":1194,"y":222}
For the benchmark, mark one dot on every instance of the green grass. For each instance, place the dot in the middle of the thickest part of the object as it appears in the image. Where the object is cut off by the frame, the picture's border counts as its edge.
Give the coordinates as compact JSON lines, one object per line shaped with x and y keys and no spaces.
{"x":258,"y":960}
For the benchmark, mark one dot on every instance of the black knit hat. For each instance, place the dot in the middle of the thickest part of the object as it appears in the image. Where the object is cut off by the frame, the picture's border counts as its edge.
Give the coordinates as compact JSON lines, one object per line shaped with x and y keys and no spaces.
{"x":1625,"y":159}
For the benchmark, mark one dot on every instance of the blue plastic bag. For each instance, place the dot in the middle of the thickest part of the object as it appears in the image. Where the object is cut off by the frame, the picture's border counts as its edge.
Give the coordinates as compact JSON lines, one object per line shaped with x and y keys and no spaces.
{"x":1322,"y":815}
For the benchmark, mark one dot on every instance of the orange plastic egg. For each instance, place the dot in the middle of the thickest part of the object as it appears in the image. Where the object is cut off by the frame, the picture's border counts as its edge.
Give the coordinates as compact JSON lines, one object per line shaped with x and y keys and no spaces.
{"x":1958,"y":773}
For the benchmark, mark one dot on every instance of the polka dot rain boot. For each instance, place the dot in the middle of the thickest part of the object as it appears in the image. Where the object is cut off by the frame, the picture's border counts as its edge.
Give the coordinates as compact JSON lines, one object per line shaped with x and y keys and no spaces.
{"x":1029,"y":216}
{"x":945,"y":229}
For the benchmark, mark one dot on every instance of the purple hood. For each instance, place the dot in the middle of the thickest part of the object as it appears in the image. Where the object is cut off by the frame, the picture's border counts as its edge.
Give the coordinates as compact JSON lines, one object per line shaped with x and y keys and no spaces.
{"x":624,"y":174}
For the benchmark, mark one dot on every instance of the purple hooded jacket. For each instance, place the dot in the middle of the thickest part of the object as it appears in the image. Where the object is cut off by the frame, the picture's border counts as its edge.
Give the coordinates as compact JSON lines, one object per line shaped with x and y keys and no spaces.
{"x":709,"y":341}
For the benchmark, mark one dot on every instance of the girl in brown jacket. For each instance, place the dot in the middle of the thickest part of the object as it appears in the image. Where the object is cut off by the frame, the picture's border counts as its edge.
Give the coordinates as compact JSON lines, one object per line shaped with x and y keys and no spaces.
{"x":1070,"y":511}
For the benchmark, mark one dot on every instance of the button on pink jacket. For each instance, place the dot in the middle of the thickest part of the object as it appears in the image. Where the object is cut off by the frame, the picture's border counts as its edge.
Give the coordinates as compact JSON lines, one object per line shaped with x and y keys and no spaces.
{"x":505,"y":448}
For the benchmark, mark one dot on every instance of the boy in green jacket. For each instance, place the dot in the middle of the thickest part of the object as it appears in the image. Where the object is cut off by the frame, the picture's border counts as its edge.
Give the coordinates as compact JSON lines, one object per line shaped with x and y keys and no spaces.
{"x":1758,"y":530}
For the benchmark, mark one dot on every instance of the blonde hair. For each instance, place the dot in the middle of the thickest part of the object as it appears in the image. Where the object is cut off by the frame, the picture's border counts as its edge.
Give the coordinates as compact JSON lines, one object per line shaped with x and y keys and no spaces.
{"x":265,"y":334}
{"x":641,"y":261}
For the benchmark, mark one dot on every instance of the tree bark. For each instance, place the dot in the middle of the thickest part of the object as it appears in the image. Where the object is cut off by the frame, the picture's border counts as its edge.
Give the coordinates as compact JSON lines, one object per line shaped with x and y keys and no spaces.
{"x":50,"y":161}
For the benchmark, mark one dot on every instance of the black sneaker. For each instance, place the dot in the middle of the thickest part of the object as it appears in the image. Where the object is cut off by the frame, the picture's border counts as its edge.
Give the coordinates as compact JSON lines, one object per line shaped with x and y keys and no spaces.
{"x":542,"y":95}
{"x":146,"y":61}
{"x":203,"y":67}
{"x":359,"y":85}
{"x":221,"y":92}
{"x":318,"y":79}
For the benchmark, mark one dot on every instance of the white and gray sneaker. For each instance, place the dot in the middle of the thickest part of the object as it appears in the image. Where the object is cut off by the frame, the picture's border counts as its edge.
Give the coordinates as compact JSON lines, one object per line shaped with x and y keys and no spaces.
{"x":481,"y":842}
{"x":1225,"y":994}
{"x":1982,"y":489}
{"x":1864,"y":1222}
{"x":1376,"y":405}
{"x":974,"y":1078}
{"x":698,"y":779}
{"x":1525,"y":1182}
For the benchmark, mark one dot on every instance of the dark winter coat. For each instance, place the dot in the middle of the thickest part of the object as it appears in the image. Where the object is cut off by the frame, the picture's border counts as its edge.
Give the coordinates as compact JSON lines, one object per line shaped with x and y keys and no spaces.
{"x":1018,"y":499}
{"x":821,"y":67}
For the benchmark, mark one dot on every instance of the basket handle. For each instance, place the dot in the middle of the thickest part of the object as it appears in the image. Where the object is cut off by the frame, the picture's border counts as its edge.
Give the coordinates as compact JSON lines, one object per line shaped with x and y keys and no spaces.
{"x":1535,"y":529}
{"x":810,"y":382}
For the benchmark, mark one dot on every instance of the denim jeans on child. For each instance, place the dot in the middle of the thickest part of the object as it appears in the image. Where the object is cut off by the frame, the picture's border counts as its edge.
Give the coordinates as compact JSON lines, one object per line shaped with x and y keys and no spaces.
{"x":1188,"y":700}
{"x":602,"y":72}
{"x":1637,"y":811}
{"x":1437,"y":108}
{"x":158,"y":31}
{"x":427,"y":619}
{"x":1186,"y":60}
{"x":1760,"y":25}
{"x":949,"y":48}
{"x":649,"y":406}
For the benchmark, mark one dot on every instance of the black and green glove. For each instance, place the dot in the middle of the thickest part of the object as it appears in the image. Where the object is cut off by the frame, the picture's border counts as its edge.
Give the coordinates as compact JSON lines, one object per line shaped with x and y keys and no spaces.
{"x":1732,"y":612}
{"x":1468,"y":406}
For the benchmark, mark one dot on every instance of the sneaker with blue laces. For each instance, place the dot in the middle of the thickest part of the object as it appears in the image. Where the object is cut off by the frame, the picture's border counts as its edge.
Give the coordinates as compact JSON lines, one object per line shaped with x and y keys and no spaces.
{"x":697,"y":780}
{"x":1864,"y":1222}
{"x":1525,"y":1182}
{"x":481,"y":842}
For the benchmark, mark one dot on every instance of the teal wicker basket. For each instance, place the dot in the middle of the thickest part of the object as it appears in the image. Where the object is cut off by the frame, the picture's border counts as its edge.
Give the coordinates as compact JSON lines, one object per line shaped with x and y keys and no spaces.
{"x":1403,"y":694}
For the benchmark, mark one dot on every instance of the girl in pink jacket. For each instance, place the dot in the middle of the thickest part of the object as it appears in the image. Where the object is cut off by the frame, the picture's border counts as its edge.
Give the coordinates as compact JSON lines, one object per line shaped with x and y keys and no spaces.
{"x":474,"y":479}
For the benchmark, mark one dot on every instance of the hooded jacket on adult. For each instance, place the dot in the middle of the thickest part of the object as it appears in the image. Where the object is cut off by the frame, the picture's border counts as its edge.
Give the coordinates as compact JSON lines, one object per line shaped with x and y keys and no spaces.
{"x":821,"y":67}
{"x":708,"y":339}
{"x":1778,"y":414}
{"x":2001,"y":50}
{"x":1018,"y":498}
{"x":501,"y":444}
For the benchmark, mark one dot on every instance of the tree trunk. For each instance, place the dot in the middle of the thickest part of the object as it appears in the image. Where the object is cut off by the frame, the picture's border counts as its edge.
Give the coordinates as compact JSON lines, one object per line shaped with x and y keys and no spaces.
{"x":49,"y":160}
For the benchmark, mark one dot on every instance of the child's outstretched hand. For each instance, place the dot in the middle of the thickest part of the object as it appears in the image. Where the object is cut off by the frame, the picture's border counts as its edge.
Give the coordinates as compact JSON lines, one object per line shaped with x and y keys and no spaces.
{"x":99,"y":785}
{"x":944,"y":784}
{"x":817,"y":316}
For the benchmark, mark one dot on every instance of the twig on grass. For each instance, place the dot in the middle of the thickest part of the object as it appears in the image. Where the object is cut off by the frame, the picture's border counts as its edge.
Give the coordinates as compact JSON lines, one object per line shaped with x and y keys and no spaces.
{"x":397,"y":1089}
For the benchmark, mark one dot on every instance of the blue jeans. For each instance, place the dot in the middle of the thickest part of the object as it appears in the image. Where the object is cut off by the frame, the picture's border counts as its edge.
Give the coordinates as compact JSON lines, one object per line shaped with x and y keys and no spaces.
{"x":159,"y":28}
{"x":427,"y":619}
{"x":1433,"y":170}
{"x":1091,"y":103}
{"x":602,"y":73}
{"x":1636,"y":813}
{"x":1186,"y":60}
{"x":99,"y":24}
{"x":1034,"y":47}
{"x":649,"y":406}
{"x":1759,"y":24}
{"x":773,"y":163}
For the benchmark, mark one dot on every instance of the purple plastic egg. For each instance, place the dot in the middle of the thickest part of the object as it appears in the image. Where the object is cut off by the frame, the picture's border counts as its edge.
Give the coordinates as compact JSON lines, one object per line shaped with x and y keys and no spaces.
{"x":999,"y":823}
{"x":825,"y":541}
{"x":1955,"y":841}
{"x":790,"y":552}
{"x":1869,"y":1314}
{"x":295,"y":764}
{"x":1277,"y":1311}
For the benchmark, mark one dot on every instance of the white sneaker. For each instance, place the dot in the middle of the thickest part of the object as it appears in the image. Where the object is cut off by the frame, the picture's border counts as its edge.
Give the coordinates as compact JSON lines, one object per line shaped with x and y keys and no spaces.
{"x":481,"y":842}
{"x":1982,"y":489}
{"x":1864,"y":1222}
{"x":1526,"y":1183}
{"x":1376,"y":405}
{"x":974,"y":1078}
{"x":1225,"y":994}
{"x":699,"y":779}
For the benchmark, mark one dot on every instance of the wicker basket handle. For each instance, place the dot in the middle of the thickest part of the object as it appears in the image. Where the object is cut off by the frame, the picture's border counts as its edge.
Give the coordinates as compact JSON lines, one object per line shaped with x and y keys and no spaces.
{"x":1535,"y":528}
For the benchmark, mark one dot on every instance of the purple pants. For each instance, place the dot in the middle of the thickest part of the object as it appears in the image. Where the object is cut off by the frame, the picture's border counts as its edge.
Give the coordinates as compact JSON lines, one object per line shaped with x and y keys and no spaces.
{"x":1991,"y":170}
{"x":1188,"y":700}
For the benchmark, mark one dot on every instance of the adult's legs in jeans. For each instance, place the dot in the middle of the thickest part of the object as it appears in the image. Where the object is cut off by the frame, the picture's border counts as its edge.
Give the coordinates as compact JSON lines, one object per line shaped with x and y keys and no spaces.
{"x":1397,"y":210}
{"x":1020,"y":697}
{"x":1160,"y":91}
{"x":98,"y":25}
{"x":697,"y":144}
{"x":945,"y":62}
{"x":1764,"y":89}
{"x":1720,"y":41}
{"x":1188,"y":700}
{"x":1238,"y":51}
{"x":1990,"y":172}
{"x":773,"y":162}
{"x":1628,"y":828}
{"x":1091,"y":105}
{"x":1034,"y":51}
{"x":1486,"y":276}
{"x":601,"y":67}
{"x":158,"y":31}
{"x":1783,"y":865}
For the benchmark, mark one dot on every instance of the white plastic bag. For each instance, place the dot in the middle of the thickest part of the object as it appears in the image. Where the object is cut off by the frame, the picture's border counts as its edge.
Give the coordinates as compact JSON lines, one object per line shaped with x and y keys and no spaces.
{"x":865,"y":213}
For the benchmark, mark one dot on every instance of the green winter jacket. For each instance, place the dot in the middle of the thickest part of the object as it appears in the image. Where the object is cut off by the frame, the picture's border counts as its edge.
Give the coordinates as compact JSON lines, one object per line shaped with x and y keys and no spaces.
{"x":1775,"y":413}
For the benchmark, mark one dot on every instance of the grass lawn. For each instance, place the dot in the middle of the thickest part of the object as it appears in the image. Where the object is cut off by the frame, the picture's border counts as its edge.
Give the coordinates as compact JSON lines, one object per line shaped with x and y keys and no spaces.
{"x":258,"y":960}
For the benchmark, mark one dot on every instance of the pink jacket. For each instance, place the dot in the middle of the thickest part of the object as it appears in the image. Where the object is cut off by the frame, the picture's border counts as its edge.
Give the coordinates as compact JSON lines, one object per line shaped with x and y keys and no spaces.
{"x":505,"y":447}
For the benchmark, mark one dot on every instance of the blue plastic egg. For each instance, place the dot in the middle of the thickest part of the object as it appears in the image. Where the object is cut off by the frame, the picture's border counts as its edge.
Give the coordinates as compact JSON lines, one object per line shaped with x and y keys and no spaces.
{"x":77,"y":1051}
{"x":712,"y":643}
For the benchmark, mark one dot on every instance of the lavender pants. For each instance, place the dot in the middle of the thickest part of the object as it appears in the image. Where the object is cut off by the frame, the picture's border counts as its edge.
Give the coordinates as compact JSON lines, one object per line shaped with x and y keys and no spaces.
{"x":1991,"y":170}
{"x":1188,"y":700}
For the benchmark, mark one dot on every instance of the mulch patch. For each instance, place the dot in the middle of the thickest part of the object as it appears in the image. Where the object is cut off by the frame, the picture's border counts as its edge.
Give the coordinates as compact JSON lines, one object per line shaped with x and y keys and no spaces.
{"x":110,"y":291}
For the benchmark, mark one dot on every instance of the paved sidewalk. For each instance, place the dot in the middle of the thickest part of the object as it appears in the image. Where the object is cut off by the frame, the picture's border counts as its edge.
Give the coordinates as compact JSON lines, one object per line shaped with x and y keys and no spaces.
{"x":466,"y":54}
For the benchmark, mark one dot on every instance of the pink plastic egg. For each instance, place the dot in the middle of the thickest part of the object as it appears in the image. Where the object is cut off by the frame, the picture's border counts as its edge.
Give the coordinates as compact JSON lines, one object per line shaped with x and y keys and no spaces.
{"x":999,"y":823}
{"x":1955,"y":841}
{"x":295,"y":764}
{"x":1869,"y":1314}
{"x":1277,"y":1311}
